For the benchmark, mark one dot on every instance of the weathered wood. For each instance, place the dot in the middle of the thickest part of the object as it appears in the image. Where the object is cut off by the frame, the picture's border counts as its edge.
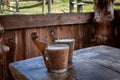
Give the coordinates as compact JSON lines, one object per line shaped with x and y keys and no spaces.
{"x":85,"y":66}
{"x":71,"y":5}
{"x":30,"y":48}
{"x":41,"y":45}
{"x":79,"y":7}
{"x":17,"y":5}
{"x":30,"y":21}
{"x":22,"y":47}
{"x":18,"y":31}
{"x":43,"y":6}
{"x":1,"y":10}
{"x":49,"y":6}
{"x":3,"y":57}
{"x":10,"y":41}
{"x":104,"y":16}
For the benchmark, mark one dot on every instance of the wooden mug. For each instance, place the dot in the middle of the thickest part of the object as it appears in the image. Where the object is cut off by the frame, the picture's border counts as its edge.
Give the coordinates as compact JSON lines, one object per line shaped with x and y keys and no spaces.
{"x":57,"y":57}
{"x":71,"y":43}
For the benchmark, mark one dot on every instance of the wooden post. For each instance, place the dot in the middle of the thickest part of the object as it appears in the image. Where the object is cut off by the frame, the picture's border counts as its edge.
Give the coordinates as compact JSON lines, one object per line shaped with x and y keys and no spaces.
{"x":49,"y":6}
{"x":71,"y":5}
{"x":103,"y":20}
{"x":43,"y":6}
{"x":0,"y":6}
{"x":17,"y":5}
{"x":79,"y":6}
{"x":1,"y":9}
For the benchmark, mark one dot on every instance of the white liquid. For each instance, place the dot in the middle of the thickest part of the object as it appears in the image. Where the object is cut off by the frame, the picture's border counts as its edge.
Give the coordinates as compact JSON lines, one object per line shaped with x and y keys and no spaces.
{"x":65,"y":40}
{"x":57,"y":47}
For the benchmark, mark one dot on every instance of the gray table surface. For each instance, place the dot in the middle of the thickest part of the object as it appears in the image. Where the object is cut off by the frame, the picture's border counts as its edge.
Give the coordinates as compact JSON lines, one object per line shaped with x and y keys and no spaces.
{"x":92,"y":63}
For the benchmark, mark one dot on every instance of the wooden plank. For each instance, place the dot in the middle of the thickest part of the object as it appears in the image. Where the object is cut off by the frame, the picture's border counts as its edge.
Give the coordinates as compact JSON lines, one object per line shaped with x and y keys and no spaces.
{"x":104,"y":56}
{"x":15,"y":40}
{"x":113,"y":65}
{"x":31,"y":49}
{"x":30,"y":21}
{"x":85,"y":35}
{"x":61,"y":32}
{"x":110,"y":58}
{"x":20,"y":46}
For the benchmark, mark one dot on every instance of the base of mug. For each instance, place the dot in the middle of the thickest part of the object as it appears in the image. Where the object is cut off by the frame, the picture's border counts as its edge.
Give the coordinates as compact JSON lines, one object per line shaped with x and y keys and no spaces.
{"x":58,"y":71}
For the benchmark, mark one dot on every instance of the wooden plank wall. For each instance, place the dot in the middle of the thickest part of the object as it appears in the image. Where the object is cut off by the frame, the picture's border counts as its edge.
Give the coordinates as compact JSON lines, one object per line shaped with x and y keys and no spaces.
{"x":19,"y":29}
{"x":20,"y":41}
{"x":69,"y":25}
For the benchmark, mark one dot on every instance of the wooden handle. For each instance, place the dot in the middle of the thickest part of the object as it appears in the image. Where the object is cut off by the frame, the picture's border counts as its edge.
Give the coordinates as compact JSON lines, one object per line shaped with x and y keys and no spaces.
{"x":41,"y":45}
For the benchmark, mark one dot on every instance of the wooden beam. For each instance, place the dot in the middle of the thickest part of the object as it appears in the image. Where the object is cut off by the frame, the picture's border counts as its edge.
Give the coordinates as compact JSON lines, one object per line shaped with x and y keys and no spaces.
{"x":30,"y":21}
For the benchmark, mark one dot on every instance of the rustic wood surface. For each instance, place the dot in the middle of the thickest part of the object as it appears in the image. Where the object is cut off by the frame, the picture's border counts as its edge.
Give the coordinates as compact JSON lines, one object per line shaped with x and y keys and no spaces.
{"x":22,"y":47}
{"x":30,"y":21}
{"x":103,"y":20}
{"x":93,"y":63}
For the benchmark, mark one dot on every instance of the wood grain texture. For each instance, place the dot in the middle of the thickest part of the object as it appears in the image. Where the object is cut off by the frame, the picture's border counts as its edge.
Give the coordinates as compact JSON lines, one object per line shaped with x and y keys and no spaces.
{"x":73,"y":25}
{"x":29,"y":21}
{"x":23,"y":47}
{"x":88,"y":64}
{"x":103,"y":20}
{"x":20,"y":45}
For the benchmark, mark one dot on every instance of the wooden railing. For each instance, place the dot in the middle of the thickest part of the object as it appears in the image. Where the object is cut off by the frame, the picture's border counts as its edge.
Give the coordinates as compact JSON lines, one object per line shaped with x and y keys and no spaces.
{"x":70,"y":25}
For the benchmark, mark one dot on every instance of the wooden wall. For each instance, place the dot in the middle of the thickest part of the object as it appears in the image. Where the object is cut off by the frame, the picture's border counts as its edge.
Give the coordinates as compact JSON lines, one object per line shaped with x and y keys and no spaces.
{"x":69,"y":25}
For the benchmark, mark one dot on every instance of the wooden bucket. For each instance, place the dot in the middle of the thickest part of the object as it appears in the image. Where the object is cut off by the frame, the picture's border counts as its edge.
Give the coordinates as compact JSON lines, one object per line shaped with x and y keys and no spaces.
{"x":71,"y":43}
{"x":58,"y":57}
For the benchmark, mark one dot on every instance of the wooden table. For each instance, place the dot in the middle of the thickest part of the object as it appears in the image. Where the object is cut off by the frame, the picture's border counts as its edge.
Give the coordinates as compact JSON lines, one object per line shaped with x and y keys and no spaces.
{"x":93,"y":63}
